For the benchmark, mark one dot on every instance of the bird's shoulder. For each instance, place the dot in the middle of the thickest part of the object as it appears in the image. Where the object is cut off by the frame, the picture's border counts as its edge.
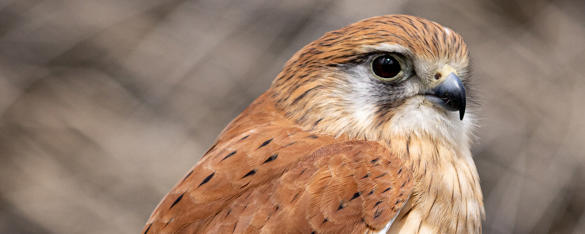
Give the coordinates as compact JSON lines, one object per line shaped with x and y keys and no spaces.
{"x":265,"y":174}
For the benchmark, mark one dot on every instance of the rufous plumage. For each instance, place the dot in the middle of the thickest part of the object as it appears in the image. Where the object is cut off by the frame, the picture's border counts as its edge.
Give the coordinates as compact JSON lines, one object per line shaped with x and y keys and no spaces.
{"x":367,"y":129}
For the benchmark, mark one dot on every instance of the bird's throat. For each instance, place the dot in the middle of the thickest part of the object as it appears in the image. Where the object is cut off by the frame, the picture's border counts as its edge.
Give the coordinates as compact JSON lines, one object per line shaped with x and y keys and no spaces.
{"x":447,"y":197}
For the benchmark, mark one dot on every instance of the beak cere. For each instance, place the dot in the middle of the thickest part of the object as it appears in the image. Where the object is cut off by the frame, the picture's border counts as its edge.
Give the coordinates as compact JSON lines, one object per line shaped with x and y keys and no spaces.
{"x":449,"y":94}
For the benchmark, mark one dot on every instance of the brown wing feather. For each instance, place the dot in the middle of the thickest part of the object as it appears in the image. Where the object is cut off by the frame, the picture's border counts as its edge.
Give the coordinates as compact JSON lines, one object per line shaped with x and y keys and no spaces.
{"x":264,"y":174}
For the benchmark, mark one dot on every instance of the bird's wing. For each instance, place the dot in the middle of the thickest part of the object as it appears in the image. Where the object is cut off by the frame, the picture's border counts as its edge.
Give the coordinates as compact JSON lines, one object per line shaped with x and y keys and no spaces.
{"x":269,"y":178}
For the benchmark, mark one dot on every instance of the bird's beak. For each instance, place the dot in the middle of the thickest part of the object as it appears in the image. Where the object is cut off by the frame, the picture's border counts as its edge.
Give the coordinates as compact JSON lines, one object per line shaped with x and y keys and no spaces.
{"x":448,"y":91}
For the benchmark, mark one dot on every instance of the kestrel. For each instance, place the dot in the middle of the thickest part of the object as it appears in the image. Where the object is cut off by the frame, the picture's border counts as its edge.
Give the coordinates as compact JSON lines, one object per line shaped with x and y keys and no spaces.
{"x":365,"y":130}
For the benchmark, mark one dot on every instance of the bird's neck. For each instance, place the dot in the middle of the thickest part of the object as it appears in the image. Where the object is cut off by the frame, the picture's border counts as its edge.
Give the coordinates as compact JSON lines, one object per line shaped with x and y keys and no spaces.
{"x":447,"y":196}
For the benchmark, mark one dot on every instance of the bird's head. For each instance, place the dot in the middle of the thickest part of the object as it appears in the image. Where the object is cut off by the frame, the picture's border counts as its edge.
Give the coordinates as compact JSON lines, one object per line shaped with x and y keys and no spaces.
{"x":380,"y":77}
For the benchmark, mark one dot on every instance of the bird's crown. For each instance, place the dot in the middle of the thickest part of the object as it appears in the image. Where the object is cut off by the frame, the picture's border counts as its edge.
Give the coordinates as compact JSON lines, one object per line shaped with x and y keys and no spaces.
{"x":360,"y":78}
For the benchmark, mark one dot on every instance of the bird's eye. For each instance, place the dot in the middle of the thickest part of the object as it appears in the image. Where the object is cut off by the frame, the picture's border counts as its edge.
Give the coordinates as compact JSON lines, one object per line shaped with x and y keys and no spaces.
{"x":386,"y":67}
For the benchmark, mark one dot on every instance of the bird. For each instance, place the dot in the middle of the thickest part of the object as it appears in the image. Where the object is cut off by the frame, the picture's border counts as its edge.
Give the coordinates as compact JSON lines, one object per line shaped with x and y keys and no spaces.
{"x":367,"y":129}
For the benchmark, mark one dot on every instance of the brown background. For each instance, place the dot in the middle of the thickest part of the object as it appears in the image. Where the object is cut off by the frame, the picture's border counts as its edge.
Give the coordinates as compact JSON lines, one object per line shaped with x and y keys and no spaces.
{"x":106,"y":104}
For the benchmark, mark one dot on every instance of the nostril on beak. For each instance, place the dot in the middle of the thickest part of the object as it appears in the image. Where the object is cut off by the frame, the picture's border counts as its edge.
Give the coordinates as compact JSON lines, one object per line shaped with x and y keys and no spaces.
{"x":437,"y":76}
{"x":449,"y":94}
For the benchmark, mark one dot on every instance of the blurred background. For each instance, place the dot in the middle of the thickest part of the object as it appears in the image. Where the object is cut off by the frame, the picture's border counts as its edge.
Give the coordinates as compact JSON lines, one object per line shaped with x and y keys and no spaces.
{"x":105,"y":105}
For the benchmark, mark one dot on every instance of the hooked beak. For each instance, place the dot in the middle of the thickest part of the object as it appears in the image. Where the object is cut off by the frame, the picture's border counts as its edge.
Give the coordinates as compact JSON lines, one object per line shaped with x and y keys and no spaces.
{"x":449,"y":93}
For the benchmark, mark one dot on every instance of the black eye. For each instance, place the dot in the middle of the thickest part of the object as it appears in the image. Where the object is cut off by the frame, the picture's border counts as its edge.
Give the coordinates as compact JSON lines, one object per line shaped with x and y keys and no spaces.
{"x":386,"y":67}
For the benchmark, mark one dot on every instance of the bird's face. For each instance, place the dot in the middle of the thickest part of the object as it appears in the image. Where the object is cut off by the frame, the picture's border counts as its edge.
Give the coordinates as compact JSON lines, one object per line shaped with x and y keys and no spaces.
{"x":383,"y":76}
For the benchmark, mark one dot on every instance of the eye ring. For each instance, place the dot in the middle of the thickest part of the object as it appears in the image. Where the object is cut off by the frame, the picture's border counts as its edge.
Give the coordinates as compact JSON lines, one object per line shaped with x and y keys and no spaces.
{"x":387,"y":67}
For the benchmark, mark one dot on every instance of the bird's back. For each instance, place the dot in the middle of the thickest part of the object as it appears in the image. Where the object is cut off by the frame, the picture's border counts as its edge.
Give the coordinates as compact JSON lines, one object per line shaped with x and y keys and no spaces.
{"x":264,"y":174}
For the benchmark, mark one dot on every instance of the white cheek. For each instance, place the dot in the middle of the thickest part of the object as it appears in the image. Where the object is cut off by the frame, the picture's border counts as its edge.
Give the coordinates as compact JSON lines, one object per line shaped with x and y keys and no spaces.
{"x":363,"y":113}
{"x":417,"y":116}
{"x":360,"y":98}
{"x":412,"y":86}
